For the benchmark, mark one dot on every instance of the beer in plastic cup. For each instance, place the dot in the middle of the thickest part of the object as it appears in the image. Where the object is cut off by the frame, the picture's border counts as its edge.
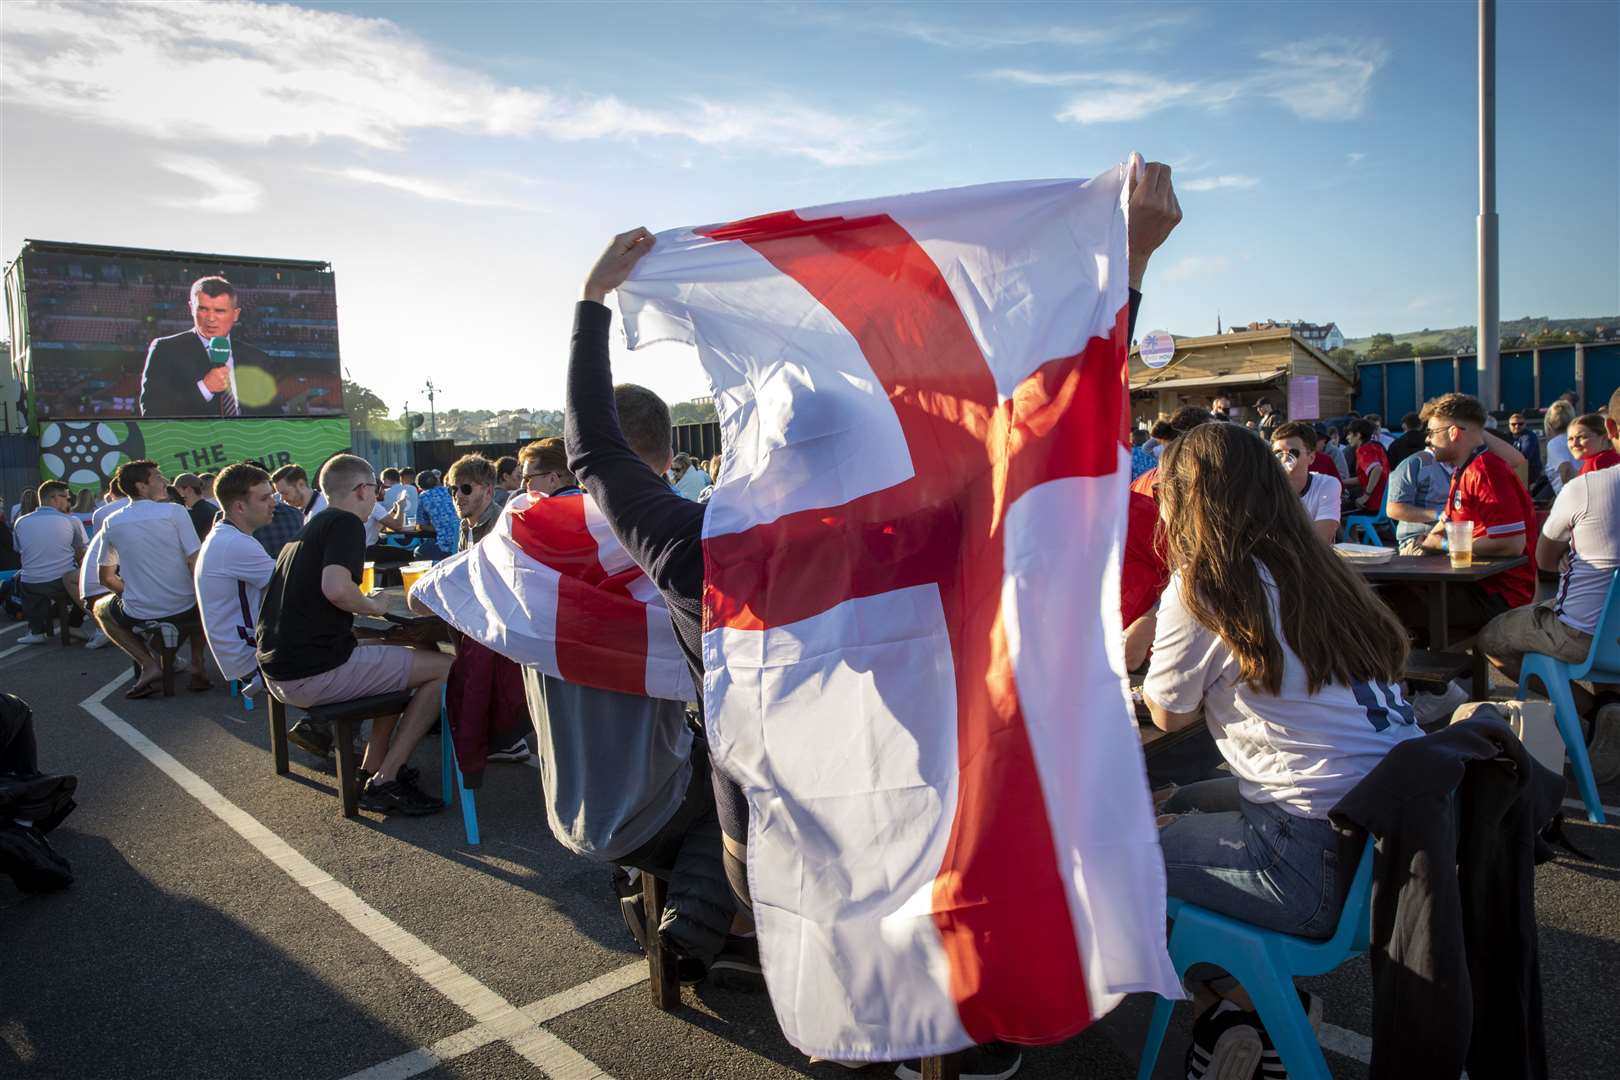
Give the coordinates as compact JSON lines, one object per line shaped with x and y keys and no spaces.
{"x":411,"y":571}
{"x":368,"y":578}
{"x":1460,"y":543}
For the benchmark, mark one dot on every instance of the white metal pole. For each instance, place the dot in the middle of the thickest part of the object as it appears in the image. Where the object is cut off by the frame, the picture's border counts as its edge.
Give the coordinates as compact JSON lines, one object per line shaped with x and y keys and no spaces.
{"x":1490,"y":375}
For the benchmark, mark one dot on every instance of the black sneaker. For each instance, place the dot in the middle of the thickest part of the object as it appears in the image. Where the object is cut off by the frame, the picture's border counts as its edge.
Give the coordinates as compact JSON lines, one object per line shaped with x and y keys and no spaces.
{"x":736,"y":967}
{"x":1227,"y":1044}
{"x":30,"y":860}
{"x":315,"y":738}
{"x":398,"y":796}
{"x":518,"y":751}
{"x":408,"y":773}
{"x":992,"y":1061}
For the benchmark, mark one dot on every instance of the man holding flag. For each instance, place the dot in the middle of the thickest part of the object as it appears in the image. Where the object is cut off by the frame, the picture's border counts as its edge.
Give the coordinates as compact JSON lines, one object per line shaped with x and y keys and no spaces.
{"x":902,"y":577}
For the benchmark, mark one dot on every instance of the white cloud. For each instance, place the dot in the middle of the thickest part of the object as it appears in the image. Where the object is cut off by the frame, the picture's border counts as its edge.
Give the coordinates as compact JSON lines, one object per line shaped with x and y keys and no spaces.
{"x":1221,"y":183}
{"x":261,"y":73}
{"x":426,"y":188}
{"x":1355,"y":157}
{"x":994,"y":34}
{"x":1320,"y":79}
{"x":1190,"y":266}
{"x":223,"y":191}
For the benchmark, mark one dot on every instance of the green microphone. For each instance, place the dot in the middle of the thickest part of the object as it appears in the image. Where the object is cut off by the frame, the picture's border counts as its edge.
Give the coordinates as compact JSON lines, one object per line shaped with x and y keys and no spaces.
{"x":219,"y":350}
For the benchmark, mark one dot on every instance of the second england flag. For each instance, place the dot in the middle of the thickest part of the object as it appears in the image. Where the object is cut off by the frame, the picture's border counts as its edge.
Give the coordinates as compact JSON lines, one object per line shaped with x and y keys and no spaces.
{"x":912,"y":649}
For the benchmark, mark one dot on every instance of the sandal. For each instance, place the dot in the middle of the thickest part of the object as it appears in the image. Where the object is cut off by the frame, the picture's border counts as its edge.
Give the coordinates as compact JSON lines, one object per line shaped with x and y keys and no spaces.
{"x":198,"y":684}
{"x":135,"y":693}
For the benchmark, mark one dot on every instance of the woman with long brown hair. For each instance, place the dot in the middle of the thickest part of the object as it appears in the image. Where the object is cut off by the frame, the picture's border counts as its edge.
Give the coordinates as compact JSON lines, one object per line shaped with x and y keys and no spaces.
{"x":1251,"y":640}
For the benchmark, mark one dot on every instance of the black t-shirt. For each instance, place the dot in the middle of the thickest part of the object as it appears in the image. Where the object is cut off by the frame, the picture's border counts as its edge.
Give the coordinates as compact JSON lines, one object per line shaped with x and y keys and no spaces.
{"x":202,"y":514}
{"x":300,"y":633}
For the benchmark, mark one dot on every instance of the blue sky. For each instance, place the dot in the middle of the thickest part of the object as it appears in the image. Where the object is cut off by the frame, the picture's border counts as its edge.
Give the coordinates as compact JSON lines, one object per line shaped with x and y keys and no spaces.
{"x":461,"y":164}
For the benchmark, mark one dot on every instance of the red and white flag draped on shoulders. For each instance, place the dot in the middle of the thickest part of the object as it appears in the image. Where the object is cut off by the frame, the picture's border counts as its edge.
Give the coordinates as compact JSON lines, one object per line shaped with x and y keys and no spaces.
{"x":551,"y":587}
{"x":912,"y":648}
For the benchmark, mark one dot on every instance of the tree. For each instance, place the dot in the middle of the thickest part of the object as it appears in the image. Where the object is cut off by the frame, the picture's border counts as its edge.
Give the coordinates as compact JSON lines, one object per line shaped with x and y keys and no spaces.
{"x":361,"y":403}
{"x":693,"y":412}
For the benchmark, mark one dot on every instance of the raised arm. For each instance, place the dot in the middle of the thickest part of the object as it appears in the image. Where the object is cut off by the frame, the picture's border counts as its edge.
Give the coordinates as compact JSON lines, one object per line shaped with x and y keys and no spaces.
{"x":661,"y":530}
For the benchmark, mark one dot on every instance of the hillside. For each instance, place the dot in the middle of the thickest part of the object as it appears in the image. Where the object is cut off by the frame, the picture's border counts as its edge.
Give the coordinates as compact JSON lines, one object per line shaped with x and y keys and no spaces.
{"x":1429,"y":342}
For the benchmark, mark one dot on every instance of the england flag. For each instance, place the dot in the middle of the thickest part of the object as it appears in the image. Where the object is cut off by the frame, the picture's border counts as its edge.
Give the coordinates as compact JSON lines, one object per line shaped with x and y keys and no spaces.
{"x":912,"y":649}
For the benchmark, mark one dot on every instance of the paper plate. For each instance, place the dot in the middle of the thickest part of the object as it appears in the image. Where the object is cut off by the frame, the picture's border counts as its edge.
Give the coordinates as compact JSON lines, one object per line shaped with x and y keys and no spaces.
{"x":1365,"y":552}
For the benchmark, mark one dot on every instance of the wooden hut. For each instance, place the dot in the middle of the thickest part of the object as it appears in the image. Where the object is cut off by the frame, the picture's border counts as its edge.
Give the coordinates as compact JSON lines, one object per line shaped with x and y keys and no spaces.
{"x":1274,"y":363}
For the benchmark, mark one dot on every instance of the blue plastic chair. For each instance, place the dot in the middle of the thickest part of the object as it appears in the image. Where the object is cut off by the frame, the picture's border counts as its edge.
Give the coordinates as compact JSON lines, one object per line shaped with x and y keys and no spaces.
{"x":1266,"y":964}
{"x":1367,"y":524}
{"x":451,"y":775}
{"x":1602,"y":665}
{"x":236,"y":691}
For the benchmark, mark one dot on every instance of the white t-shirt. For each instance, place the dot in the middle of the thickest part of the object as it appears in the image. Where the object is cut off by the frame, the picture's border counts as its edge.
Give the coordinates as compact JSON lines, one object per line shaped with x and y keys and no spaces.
{"x":396,"y":492}
{"x":317,"y":503}
{"x":1321,"y":497}
{"x":1557,"y":451}
{"x":150,"y":542}
{"x":1303,"y":751}
{"x":231,"y":574}
{"x":46,"y":539}
{"x":100,"y":513}
{"x":374,"y":523}
{"x":1586,"y":516}
{"x":90,"y":585}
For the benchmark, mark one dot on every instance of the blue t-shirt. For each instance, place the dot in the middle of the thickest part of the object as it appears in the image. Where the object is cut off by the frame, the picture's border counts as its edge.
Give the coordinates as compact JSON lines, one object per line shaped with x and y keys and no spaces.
{"x":1421,"y":481}
{"x":439,"y":509}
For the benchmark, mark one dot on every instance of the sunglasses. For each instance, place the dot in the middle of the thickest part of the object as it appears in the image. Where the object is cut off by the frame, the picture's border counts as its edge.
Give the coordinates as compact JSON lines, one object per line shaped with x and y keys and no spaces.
{"x":465,"y":489}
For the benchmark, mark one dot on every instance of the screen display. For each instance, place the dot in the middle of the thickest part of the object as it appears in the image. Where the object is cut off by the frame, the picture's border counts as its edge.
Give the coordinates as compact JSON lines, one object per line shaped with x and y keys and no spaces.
{"x":115,"y":335}
{"x":86,"y":453}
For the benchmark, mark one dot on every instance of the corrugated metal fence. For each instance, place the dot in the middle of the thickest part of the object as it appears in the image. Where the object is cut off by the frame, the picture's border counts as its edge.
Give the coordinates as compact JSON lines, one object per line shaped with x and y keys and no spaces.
{"x":1531,"y":379}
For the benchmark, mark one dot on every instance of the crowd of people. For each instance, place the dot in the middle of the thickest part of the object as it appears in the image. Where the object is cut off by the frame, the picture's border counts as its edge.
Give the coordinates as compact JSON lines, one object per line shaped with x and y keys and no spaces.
{"x":1228,"y":569}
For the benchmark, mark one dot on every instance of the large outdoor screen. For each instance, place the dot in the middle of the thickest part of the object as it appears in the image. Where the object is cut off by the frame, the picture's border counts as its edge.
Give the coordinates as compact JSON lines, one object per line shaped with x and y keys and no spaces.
{"x":124,"y":333}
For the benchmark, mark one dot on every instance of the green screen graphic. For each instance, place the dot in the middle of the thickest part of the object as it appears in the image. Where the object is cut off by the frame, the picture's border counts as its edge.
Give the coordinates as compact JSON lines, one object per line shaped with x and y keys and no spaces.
{"x":86,"y":453}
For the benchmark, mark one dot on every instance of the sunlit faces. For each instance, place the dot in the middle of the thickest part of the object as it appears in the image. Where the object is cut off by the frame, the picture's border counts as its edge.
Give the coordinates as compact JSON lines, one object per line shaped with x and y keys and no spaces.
{"x":471,"y":499}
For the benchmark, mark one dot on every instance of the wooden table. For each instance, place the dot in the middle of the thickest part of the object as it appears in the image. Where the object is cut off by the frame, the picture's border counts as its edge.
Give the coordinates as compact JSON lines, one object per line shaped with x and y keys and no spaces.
{"x":400,"y":622}
{"x":1434,"y":574}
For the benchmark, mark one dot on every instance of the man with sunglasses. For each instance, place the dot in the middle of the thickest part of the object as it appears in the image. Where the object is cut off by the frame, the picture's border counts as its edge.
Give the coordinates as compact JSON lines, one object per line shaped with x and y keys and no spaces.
{"x":308,"y":652}
{"x":485,"y":689}
{"x":544,"y":468}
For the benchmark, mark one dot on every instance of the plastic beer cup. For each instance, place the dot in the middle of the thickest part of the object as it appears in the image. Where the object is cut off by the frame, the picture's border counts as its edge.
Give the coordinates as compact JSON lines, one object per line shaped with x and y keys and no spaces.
{"x":1460,"y":543}
{"x":368,"y":578}
{"x":411,"y":571}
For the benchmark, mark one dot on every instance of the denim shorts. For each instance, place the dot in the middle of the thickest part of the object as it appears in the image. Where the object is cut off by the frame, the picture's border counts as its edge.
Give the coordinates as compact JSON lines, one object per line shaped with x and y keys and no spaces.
{"x":1253,"y":861}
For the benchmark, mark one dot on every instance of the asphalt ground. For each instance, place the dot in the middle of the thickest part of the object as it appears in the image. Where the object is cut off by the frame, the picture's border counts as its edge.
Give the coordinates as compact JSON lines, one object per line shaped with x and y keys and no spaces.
{"x":229,"y":923}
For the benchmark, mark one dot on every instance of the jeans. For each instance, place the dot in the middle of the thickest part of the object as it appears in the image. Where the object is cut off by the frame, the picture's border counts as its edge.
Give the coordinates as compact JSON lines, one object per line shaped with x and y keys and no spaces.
{"x":1253,"y":861}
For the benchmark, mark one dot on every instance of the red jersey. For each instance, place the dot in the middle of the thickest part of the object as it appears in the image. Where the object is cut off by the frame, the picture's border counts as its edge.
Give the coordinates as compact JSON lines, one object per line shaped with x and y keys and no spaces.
{"x":1368,"y":454}
{"x":1322,"y":463}
{"x":1487,"y":492}
{"x":1599,"y":461}
{"x":1142,"y":574}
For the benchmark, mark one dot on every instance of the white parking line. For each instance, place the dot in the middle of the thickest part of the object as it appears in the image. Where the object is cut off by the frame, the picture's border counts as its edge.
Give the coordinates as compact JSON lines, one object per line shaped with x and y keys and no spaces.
{"x":13,"y":628}
{"x":14,"y":649}
{"x":539,"y":1047}
{"x":420,"y":1061}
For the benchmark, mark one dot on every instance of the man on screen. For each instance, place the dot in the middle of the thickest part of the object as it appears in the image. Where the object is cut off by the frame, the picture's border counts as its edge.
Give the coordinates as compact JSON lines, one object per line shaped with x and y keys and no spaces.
{"x":199,"y":372}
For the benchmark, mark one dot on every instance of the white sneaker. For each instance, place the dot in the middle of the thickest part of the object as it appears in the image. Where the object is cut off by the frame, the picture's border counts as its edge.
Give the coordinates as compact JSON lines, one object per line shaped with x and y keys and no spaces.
{"x":1437,"y":708}
{"x":34,"y":639}
{"x":98,"y":640}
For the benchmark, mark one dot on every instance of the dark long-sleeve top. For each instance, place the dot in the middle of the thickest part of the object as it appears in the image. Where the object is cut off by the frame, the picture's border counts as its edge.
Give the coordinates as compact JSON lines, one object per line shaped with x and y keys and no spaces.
{"x":659,"y":528}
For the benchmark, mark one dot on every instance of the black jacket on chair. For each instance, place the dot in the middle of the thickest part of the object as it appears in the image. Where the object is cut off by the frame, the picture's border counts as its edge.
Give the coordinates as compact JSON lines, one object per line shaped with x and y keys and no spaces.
{"x":177,"y":363}
{"x":1456,"y":979}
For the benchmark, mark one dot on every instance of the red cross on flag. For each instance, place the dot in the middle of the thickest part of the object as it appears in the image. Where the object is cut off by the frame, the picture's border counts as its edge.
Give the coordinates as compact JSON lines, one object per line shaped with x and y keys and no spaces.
{"x":912,"y":648}
{"x":551,"y":588}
